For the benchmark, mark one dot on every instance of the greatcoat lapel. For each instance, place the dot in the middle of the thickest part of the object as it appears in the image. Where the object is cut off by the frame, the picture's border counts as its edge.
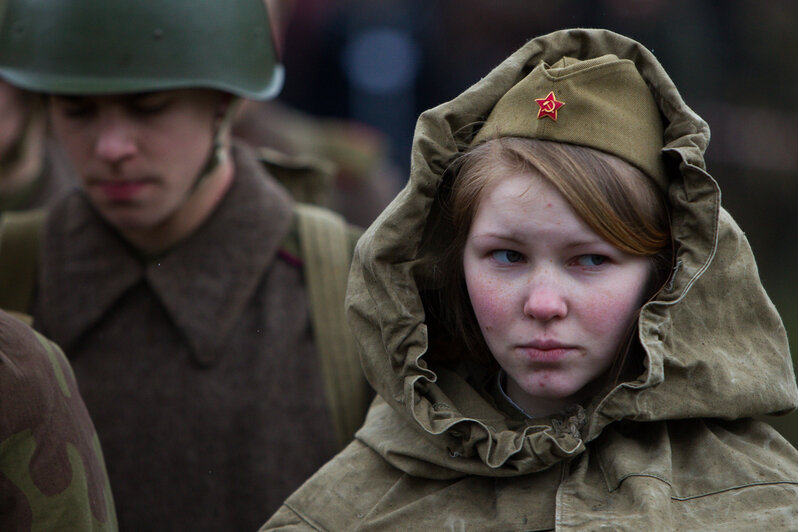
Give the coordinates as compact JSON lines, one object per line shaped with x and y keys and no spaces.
{"x":85,"y":269}
{"x":204,"y":282}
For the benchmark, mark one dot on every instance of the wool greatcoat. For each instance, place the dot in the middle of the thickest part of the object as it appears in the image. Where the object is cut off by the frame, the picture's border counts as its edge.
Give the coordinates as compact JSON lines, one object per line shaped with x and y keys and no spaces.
{"x":673,"y":448}
{"x":198,"y":366}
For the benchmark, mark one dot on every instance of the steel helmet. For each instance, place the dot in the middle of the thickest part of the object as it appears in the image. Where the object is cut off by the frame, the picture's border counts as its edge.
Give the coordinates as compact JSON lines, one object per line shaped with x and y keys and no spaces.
{"x":119,"y":46}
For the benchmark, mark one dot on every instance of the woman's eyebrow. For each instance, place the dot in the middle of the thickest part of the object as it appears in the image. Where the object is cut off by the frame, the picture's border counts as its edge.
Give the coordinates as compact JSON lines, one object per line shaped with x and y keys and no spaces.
{"x":586,"y":242}
{"x":510,"y":236}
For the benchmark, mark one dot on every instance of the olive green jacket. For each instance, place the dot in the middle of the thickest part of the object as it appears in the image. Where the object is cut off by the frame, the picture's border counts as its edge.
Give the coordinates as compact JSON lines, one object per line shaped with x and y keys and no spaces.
{"x":673,"y":449}
{"x":52,"y":473}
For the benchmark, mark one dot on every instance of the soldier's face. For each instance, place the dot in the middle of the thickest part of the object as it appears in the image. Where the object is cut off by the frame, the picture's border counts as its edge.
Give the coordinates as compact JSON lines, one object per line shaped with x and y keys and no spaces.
{"x":138,"y":156}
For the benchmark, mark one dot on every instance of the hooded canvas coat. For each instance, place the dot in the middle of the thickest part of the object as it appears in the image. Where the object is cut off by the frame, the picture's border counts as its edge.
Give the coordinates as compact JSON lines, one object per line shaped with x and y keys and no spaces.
{"x":673,"y":449}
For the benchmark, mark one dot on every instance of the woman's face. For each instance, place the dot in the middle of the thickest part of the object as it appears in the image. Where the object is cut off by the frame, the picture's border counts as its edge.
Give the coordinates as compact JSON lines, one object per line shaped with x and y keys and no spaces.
{"x":554,"y":300}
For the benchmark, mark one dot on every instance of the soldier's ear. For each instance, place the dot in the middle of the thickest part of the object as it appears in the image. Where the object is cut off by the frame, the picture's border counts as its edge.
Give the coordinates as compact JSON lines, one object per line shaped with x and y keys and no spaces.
{"x":223,"y":105}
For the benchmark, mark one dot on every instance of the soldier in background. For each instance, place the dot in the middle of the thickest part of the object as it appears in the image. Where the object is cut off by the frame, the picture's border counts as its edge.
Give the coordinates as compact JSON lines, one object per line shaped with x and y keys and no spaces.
{"x":52,"y":474}
{"x":343,"y":164}
{"x":359,"y":177}
{"x":178,"y":278}
{"x":33,"y":172}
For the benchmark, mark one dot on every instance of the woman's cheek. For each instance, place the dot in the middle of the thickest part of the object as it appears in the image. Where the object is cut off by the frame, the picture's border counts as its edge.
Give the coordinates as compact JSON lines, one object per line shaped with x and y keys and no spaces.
{"x":489,"y":300}
{"x":610,"y":312}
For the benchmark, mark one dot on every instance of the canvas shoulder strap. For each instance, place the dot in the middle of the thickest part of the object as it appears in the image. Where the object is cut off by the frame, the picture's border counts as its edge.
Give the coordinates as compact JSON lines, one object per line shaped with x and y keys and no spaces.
{"x":20,"y":235}
{"x":326,"y":245}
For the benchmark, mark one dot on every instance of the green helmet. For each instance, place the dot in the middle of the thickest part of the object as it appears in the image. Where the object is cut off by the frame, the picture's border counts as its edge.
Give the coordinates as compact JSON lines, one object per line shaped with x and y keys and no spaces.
{"x":122,"y":46}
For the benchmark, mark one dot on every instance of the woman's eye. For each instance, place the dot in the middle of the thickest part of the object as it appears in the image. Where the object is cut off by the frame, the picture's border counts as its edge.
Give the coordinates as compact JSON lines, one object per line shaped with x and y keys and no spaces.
{"x":591,"y":260}
{"x":507,"y":256}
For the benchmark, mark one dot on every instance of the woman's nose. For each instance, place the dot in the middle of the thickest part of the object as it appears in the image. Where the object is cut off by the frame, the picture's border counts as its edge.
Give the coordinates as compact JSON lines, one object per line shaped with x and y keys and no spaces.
{"x":546,"y":297}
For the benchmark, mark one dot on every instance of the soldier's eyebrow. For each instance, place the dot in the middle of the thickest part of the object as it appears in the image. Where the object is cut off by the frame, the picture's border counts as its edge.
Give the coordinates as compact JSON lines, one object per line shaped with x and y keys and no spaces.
{"x":143,"y":95}
{"x":68,"y":98}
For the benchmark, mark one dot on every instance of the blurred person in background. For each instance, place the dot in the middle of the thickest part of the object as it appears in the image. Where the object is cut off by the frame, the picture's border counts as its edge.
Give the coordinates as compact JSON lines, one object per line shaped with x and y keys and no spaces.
{"x":347,"y":165}
{"x":340,"y":163}
{"x":179,"y":279}
{"x":33,"y":172}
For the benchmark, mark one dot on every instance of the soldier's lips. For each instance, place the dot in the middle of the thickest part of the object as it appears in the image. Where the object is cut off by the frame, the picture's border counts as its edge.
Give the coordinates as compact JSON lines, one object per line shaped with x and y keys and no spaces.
{"x":121,"y":190}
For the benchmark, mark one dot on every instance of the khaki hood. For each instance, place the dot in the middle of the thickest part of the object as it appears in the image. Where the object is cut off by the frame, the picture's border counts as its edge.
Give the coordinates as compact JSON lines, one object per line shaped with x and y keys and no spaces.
{"x":714,"y":345}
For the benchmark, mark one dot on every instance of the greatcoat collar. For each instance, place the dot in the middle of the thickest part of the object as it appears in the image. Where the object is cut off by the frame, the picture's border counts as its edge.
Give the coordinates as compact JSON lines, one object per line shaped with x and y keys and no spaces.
{"x":204,"y":282}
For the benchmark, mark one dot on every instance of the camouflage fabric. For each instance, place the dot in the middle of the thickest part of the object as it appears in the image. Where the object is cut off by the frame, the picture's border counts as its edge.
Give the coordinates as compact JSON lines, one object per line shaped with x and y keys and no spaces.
{"x":674,"y":448}
{"x":52,"y":474}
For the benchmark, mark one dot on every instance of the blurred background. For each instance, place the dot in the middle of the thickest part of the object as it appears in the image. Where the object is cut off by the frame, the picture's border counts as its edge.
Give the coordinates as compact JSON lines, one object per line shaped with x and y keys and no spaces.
{"x":378,"y":64}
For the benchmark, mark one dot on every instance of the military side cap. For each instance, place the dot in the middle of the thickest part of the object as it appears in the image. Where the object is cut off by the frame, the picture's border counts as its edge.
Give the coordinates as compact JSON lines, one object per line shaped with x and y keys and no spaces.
{"x":601,"y":103}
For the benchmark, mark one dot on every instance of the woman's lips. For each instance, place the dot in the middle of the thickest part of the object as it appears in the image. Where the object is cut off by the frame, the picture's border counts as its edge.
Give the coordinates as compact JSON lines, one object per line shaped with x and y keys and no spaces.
{"x":545,"y":352}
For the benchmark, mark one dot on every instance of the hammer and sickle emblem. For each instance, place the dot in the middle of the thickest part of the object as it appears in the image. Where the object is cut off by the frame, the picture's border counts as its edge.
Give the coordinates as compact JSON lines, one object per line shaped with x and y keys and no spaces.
{"x":549,"y":106}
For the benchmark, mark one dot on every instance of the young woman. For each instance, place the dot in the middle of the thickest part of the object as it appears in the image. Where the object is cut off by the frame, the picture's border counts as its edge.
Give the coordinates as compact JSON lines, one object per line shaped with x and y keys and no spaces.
{"x":565,"y":329}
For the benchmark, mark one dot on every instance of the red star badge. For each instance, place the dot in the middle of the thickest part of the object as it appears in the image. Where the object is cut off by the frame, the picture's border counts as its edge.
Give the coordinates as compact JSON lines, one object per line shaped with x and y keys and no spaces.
{"x":549,"y":106}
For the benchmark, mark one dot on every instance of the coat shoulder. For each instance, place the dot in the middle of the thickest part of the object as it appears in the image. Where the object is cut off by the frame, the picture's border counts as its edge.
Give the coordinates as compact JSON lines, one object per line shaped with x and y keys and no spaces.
{"x":700,"y":474}
{"x":340,"y":495}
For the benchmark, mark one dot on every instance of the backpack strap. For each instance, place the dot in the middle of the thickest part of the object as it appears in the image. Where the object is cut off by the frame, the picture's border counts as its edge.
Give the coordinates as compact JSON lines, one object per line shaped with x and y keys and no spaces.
{"x":326,"y":246}
{"x":20,"y":235}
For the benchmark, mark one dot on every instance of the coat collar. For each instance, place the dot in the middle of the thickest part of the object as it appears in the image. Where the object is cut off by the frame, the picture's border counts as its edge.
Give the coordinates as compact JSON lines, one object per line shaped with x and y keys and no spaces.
{"x":204,"y":282}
